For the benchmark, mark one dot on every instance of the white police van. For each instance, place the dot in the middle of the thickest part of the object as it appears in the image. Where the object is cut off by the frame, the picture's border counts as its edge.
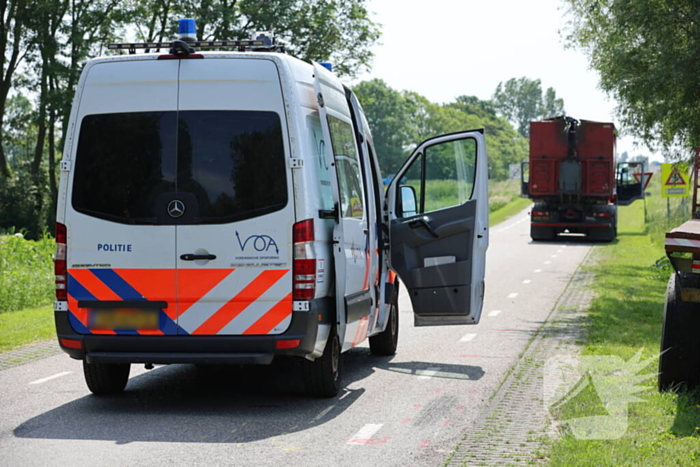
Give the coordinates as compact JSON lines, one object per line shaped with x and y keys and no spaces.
{"x":228,"y":208}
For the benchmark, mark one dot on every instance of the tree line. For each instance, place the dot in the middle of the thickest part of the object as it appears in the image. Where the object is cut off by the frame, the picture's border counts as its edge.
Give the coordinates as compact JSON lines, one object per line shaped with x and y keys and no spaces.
{"x":46,"y":43}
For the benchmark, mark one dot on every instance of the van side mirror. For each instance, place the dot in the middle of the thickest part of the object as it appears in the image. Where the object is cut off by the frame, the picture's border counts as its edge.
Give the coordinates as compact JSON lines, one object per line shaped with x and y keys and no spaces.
{"x":408,"y":201}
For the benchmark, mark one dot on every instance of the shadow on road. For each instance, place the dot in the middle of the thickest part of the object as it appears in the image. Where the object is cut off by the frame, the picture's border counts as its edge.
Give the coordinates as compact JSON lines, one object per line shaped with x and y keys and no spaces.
{"x":181,"y":403}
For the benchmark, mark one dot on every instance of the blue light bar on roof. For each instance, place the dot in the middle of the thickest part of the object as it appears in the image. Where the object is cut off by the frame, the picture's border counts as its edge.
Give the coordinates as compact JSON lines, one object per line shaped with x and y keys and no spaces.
{"x":187,"y":29}
{"x":327,"y":65}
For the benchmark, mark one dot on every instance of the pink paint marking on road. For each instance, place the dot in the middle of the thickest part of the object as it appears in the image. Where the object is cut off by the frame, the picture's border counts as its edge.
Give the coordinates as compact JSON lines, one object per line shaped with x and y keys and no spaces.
{"x":417,"y":407}
{"x":438,"y":391}
{"x":461,"y":407}
{"x":407,"y":421}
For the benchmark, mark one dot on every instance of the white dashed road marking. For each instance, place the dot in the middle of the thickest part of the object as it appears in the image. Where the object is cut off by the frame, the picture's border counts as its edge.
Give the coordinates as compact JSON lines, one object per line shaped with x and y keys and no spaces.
{"x":513,"y":295}
{"x":554,"y":256}
{"x":537,"y":270}
{"x":429,"y":373}
{"x":527,"y":281}
{"x":49,"y":378}
{"x":547,"y":262}
{"x":365,"y":433}
{"x":467,"y":337}
{"x":495,"y":313}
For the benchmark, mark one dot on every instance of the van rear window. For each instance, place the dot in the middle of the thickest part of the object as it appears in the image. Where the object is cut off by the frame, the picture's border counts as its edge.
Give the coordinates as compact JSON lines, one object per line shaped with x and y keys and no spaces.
{"x":229,"y":163}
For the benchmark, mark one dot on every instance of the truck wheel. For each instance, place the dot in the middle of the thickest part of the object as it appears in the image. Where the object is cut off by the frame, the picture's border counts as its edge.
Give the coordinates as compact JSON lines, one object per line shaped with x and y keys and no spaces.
{"x":106,"y":378}
{"x":385,"y":342}
{"x":541,"y":233}
{"x":679,"y":362}
{"x":538,"y":233}
{"x":322,"y":377}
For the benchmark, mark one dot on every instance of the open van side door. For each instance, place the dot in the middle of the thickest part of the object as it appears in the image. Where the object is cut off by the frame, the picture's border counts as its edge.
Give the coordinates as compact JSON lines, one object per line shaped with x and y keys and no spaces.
{"x":438,"y":215}
{"x":629,"y":182}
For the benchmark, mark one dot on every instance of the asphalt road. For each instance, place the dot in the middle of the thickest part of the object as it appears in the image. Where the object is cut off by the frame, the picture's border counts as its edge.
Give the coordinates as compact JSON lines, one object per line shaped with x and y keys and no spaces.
{"x":410,"y":409}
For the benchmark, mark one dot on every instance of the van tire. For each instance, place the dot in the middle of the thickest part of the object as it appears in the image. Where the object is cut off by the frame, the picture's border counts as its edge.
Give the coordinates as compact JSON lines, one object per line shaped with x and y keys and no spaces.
{"x":679,"y":362}
{"x":385,"y":342}
{"x":323,"y":376}
{"x":106,"y":378}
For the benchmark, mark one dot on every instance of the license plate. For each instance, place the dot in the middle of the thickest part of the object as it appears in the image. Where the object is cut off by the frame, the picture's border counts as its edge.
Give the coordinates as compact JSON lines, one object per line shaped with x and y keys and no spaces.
{"x":126,"y":319}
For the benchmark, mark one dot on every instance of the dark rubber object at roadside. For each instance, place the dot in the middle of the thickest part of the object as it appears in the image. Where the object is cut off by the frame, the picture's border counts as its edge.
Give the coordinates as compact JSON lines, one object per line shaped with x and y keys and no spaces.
{"x":106,"y":378}
{"x":679,"y":362}
{"x":385,"y":342}
{"x":323,"y":376}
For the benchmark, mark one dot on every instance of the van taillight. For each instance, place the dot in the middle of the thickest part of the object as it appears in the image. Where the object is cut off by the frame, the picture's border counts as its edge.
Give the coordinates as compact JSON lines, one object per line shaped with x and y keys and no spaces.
{"x":304,"y":268}
{"x":59,"y":265}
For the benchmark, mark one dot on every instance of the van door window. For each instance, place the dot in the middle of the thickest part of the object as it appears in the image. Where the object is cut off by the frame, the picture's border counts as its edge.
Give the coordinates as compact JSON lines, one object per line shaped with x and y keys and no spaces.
{"x":450,"y":171}
{"x":347,"y":168}
{"x":233,"y":163}
{"x":324,"y":173}
{"x":123,"y":162}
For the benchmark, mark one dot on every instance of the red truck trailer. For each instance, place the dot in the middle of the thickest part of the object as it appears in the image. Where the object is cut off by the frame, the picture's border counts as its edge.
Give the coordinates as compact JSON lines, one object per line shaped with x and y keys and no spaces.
{"x":575,"y":181}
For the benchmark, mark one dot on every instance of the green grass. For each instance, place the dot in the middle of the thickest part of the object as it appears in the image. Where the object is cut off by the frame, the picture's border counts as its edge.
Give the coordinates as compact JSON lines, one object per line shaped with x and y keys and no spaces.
{"x":626,"y":316}
{"x":26,"y":272}
{"x":23,"y":327}
{"x":508,"y":210}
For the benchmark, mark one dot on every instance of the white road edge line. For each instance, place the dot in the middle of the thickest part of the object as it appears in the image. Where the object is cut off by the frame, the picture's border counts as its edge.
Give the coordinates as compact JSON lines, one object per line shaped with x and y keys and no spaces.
{"x":513,"y":295}
{"x":49,"y":378}
{"x":495,"y":313}
{"x":365,"y":433}
{"x":429,"y":373}
{"x":467,"y":337}
{"x":323,"y":413}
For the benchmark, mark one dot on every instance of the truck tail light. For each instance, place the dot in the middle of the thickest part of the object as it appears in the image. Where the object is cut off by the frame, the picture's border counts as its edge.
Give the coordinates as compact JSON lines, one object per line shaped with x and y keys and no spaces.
{"x":539,"y":213}
{"x":602,"y":214}
{"x":304,"y":267}
{"x":59,"y":265}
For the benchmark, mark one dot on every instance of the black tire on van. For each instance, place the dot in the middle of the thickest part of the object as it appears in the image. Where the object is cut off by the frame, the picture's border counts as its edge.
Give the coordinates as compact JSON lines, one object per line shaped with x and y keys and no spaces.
{"x":323,"y":376}
{"x":385,"y":343}
{"x":106,"y":378}
{"x":679,"y":362}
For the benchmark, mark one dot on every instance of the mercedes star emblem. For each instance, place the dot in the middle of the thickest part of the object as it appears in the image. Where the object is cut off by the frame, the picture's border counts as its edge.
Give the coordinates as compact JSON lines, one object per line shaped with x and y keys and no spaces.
{"x":176,"y":208}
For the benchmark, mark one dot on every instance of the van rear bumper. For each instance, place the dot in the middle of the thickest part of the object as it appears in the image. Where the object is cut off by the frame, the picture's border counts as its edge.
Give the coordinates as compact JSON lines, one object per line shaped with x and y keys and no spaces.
{"x":258,"y":350}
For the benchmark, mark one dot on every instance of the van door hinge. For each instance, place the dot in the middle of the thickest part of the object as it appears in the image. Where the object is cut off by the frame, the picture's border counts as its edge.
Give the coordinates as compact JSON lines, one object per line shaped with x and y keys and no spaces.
{"x":65,"y":166}
{"x":297,"y":163}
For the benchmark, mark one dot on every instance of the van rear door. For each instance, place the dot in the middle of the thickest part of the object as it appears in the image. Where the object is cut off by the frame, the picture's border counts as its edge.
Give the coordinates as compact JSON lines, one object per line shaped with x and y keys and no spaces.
{"x":120,"y":253}
{"x":438,"y":206}
{"x":234,"y":231}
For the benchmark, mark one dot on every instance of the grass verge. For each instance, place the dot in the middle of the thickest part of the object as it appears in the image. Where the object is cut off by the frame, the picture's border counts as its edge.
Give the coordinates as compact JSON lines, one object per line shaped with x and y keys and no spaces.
{"x":626,"y":316}
{"x":22,"y":327}
{"x":510,"y":209}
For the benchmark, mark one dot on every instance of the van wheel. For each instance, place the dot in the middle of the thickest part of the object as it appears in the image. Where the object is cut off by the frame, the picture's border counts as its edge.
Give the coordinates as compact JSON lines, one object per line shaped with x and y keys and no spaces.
{"x":106,"y":378}
{"x":385,"y":342}
{"x":322,"y":377}
{"x":679,"y":362}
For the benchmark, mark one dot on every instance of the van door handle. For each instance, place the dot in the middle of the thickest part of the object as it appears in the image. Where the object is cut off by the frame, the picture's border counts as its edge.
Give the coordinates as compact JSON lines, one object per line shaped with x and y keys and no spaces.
{"x":423,"y":222}
{"x":193,"y":257}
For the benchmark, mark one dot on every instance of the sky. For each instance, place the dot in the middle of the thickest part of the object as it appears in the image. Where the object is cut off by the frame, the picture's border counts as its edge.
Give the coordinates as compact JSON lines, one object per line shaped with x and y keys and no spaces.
{"x":442,"y":49}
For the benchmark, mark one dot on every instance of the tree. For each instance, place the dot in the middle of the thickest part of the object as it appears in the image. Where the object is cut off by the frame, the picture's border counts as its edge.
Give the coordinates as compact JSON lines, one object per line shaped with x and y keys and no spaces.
{"x":520,"y":101}
{"x":13,"y":45}
{"x":335,"y":30}
{"x":646,"y":52}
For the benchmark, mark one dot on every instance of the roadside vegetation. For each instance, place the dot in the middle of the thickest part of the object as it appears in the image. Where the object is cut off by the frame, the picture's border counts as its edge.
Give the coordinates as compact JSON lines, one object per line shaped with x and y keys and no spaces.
{"x":631,"y":276}
{"x":26,"y":290}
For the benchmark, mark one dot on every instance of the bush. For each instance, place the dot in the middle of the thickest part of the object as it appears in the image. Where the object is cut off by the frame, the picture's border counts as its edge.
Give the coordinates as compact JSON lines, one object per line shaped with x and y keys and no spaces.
{"x":26,"y":272}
